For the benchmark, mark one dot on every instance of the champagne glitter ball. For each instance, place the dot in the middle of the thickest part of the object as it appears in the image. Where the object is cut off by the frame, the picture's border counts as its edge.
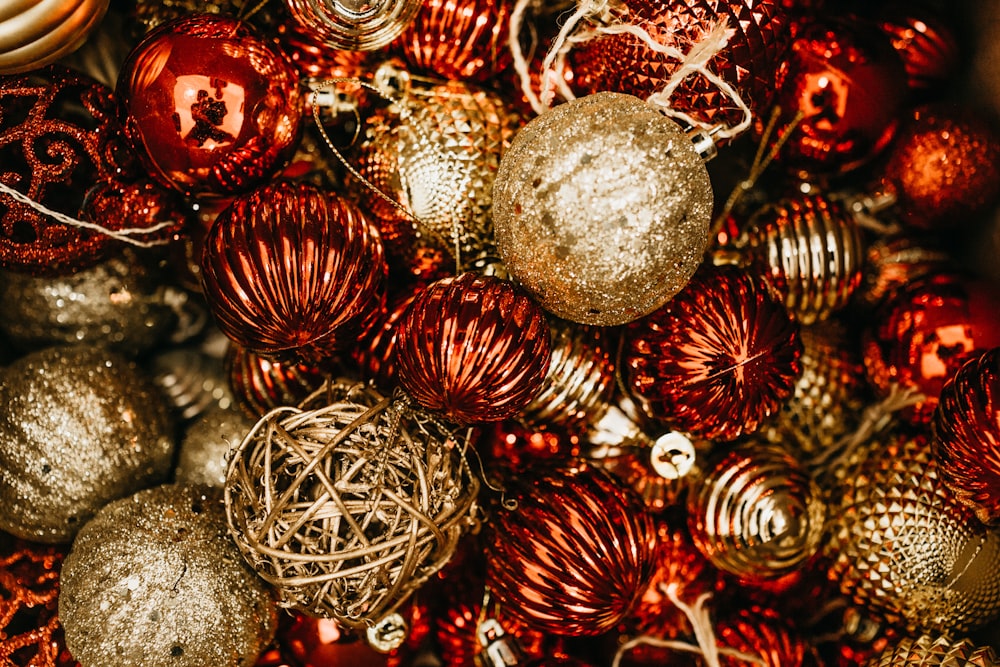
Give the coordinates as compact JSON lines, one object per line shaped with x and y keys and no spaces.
{"x":601,"y":209}
{"x":154,"y":580}
{"x":80,"y":428}
{"x":204,"y":452}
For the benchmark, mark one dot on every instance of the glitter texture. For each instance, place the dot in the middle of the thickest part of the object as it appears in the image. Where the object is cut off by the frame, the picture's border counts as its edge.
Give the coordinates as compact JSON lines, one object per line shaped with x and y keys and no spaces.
{"x":601,"y":209}
{"x":204,"y":452}
{"x":155,"y":580}
{"x":81,"y":427}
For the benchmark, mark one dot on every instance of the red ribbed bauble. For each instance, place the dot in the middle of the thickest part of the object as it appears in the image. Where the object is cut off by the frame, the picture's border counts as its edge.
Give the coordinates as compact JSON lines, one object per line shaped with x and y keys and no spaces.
{"x":460,"y":40}
{"x":576,"y":553}
{"x":294,"y":272}
{"x":211,"y":106}
{"x":260,"y":384}
{"x":920,"y":338}
{"x":718,"y":359}
{"x":849,"y":84}
{"x":943,"y":167}
{"x":473,"y":348}
{"x":622,"y":63}
{"x":376,"y":353}
{"x":927,"y":45}
{"x":763,"y":634}
{"x":967,"y":435}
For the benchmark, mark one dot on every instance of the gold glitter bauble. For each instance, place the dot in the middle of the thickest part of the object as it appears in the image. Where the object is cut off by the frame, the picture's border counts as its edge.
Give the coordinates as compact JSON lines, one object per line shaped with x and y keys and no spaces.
{"x":80,"y":427}
{"x":905,"y":549}
{"x":926,"y":651}
{"x":204,"y":452}
{"x":154,"y":580}
{"x":601,"y":209}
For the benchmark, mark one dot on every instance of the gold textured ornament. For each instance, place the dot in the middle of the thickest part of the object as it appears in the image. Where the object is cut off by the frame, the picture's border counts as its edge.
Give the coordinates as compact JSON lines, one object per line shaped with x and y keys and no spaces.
{"x":151,"y":14}
{"x":193,"y":381}
{"x":927,"y":651}
{"x":203,"y":456}
{"x":906,"y":550}
{"x":601,"y":209}
{"x":436,"y":152}
{"x":356,"y":25}
{"x":154,"y":581}
{"x":80,"y":427}
{"x":34,"y":33}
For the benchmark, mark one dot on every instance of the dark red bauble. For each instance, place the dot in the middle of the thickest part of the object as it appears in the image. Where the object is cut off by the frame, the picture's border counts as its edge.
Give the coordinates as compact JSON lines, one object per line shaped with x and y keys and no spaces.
{"x":921,"y":337}
{"x":473,"y":348}
{"x":718,"y":359}
{"x":623,"y":63}
{"x":293,"y":272}
{"x":460,"y":40}
{"x":576,"y":553}
{"x":944,"y":167}
{"x":514,"y":447}
{"x":849,"y":85}
{"x":927,"y":45}
{"x":376,"y":352}
{"x":966,"y":440}
{"x":211,"y":107}
{"x":318,"y":642}
{"x":763,"y":634}
{"x":259,"y":384}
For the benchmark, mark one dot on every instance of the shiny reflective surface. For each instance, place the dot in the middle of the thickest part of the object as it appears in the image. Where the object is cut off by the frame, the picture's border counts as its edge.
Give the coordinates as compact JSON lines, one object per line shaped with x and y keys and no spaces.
{"x":717,"y":359}
{"x":935,"y":651}
{"x":260,"y":384}
{"x":473,"y":348}
{"x":356,"y":25}
{"x":39,"y":32}
{"x":967,"y":435}
{"x":293,"y":271}
{"x":924,"y":40}
{"x":212,"y":107}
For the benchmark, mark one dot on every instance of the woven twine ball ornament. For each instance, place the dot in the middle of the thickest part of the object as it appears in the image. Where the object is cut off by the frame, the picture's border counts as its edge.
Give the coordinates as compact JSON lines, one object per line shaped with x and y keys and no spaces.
{"x":927,"y":651}
{"x":347,"y":508}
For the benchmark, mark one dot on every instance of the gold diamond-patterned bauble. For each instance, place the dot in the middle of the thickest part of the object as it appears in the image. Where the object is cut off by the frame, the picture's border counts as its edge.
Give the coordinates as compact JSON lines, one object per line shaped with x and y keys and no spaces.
{"x":905,"y":549}
{"x":809,"y":248}
{"x":829,"y":396}
{"x":436,"y":152}
{"x":940,"y":651}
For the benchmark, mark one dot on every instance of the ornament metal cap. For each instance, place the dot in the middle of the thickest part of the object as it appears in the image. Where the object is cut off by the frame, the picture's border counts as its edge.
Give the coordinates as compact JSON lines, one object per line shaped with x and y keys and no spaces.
{"x":499,"y":648}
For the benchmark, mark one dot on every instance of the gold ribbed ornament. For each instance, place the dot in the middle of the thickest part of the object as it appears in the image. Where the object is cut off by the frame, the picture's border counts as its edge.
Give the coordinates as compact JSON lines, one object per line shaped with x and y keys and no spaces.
{"x":926,"y":651}
{"x":436,"y":152}
{"x":809,"y":248}
{"x":34,"y":33}
{"x":906,"y":550}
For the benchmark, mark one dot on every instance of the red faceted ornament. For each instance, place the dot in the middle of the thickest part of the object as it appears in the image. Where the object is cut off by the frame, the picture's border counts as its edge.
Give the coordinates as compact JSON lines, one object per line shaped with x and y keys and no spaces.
{"x":473,"y":348}
{"x":294,"y":272}
{"x":758,"y":36}
{"x":848,"y":85}
{"x":61,"y":146}
{"x":718,"y":359}
{"x":576,"y":553}
{"x":461,"y":40}
{"x":927,"y":45}
{"x":943,"y":168}
{"x":259,"y":384}
{"x":966,"y":440}
{"x":212,"y":107}
{"x":920,"y":338}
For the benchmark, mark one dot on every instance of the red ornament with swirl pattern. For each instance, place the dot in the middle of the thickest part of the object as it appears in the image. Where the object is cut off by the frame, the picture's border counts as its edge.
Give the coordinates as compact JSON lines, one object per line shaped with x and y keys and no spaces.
{"x":921,"y":337}
{"x":473,"y":348}
{"x":717,"y":359}
{"x":30,"y":632}
{"x":461,"y":40}
{"x":575,"y":555}
{"x":295,"y":272}
{"x":966,"y":440}
{"x":944,"y":167}
{"x":925,"y":42}
{"x":758,"y":36}
{"x":259,"y":384}
{"x":212,"y":107}
{"x":60,"y":145}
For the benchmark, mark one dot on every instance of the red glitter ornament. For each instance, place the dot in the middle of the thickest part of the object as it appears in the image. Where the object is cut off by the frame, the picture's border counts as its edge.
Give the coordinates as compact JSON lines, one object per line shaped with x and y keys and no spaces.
{"x":473,"y":348}
{"x":461,"y":40}
{"x":259,"y":384}
{"x":849,"y":85}
{"x":576,"y":553}
{"x":921,"y":337}
{"x":717,"y":359}
{"x":622,"y":63}
{"x":212,"y":107}
{"x":943,"y":168}
{"x":928,"y":46}
{"x":293,"y":271}
{"x":966,"y":440}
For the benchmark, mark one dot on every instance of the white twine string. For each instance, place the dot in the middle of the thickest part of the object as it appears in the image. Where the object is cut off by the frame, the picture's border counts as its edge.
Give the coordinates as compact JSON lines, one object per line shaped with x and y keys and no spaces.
{"x":694,"y":61}
{"x":117,"y":234}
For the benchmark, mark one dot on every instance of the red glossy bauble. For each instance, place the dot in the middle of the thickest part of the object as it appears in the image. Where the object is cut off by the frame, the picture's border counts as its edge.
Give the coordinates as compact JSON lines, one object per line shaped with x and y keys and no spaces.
{"x":259,"y":384}
{"x":318,"y":642}
{"x":212,"y":107}
{"x":921,"y":337}
{"x":316,"y":60}
{"x":473,"y":348}
{"x":763,"y":634}
{"x":461,"y":40}
{"x":927,"y":45}
{"x":944,"y":167}
{"x":623,"y":63}
{"x":513,"y":447}
{"x":376,"y":352}
{"x":293,"y":272}
{"x":849,"y":85}
{"x":718,"y":359}
{"x":576,"y":553}
{"x":966,"y":440}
